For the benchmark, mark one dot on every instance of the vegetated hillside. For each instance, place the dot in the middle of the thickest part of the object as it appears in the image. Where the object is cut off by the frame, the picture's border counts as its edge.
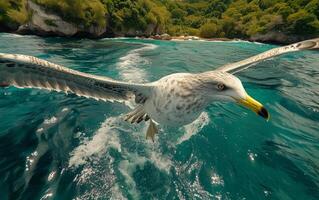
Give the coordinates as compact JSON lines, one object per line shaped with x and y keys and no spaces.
{"x":247,"y":19}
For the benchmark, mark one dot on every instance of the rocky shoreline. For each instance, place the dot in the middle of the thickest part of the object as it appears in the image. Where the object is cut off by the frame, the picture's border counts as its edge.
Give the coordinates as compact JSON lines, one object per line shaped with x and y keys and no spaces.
{"x":278,"y":40}
{"x":46,"y":24}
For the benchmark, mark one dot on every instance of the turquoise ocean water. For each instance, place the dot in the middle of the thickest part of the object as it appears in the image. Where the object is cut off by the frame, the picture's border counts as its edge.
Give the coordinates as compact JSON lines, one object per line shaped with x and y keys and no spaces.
{"x":57,"y":146}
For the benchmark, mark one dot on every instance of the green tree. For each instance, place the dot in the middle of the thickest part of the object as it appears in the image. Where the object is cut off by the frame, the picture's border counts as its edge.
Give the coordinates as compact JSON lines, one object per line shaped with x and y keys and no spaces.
{"x":313,"y":7}
{"x":13,"y":13}
{"x":302,"y":22}
{"x":209,"y":30}
{"x":215,"y":8}
{"x":178,"y":13}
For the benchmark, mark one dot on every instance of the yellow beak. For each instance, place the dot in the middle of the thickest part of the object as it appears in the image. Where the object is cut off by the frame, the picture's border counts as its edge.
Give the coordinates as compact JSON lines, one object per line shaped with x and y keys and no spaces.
{"x":255,"y":106}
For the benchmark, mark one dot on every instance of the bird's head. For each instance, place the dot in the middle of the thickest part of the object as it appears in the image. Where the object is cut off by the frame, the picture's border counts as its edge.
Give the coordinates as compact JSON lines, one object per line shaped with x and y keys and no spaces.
{"x":223,"y":86}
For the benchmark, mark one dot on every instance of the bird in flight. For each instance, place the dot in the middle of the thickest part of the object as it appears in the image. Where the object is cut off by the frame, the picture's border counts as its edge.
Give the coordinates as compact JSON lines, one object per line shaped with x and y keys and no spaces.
{"x":174,"y":100}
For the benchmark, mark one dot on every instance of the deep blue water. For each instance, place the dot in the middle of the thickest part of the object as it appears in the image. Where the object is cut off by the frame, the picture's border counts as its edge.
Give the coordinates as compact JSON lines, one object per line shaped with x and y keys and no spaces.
{"x":57,"y":146}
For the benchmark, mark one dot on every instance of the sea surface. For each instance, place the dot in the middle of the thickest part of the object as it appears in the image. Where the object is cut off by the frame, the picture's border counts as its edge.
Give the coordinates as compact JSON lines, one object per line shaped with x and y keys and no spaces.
{"x":58,"y":146}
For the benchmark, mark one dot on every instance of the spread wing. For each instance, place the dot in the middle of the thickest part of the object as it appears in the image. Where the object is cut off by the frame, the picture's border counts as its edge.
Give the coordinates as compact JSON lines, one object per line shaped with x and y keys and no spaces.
{"x":30,"y":72}
{"x":244,"y":64}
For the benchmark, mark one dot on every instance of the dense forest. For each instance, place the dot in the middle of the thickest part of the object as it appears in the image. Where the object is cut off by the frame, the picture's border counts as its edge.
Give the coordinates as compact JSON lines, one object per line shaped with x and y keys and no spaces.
{"x":208,"y":19}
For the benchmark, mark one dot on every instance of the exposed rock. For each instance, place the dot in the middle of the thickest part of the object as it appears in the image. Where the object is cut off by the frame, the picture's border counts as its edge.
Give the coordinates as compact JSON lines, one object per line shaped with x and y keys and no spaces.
{"x":156,"y":37}
{"x":43,"y":23}
{"x":164,"y":36}
{"x":150,"y":30}
{"x":278,"y":38}
{"x":97,"y":31}
{"x":46,"y":24}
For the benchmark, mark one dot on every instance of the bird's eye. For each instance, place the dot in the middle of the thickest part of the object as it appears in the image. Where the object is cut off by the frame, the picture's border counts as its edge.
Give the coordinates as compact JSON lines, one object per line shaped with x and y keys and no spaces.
{"x":221,"y":86}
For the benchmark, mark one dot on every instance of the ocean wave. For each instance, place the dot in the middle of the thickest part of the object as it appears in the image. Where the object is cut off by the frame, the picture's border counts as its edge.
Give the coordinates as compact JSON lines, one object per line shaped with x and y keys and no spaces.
{"x":17,"y":36}
{"x":194,"y":127}
{"x":193,"y":186}
{"x":116,"y":38}
{"x":94,"y":155}
{"x":112,"y":134}
{"x":127,"y":169}
{"x":12,"y":35}
{"x":103,"y":139}
{"x":52,"y":120}
{"x":43,"y":146}
{"x":129,"y":65}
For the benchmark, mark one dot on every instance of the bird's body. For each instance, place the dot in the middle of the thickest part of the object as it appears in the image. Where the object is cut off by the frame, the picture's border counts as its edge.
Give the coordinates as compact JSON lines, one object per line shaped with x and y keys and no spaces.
{"x":174,"y":100}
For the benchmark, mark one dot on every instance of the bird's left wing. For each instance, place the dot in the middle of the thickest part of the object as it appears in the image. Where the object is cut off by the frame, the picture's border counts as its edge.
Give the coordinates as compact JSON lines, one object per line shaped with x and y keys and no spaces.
{"x":31,"y":72}
{"x":244,"y":64}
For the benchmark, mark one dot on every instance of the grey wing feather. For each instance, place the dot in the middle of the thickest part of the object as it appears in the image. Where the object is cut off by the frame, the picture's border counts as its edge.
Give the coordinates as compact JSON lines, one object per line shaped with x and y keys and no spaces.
{"x":244,"y":64}
{"x":31,"y":72}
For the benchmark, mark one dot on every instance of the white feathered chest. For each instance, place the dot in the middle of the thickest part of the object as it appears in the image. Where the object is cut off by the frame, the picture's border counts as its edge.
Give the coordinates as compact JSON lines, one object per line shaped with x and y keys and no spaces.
{"x":174,"y":100}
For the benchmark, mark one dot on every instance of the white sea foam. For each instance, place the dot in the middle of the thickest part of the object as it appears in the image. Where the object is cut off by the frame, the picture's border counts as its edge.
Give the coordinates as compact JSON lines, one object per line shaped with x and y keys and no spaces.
{"x":103,"y":139}
{"x":162,"y":162}
{"x":116,"y":38}
{"x":93,"y":151}
{"x":52,"y":175}
{"x":39,"y":130}
{"x":52,"y":120}
{"x":193,"y":186}
{"x":127,"y":168}
{"x":216,"y":179}
{"x":258,"y":43}
{"x":198,"y":190}
{"x":100,"y":172}
{"x":12,"y":35}
{"x":47,"y":196}
{"x":129,"y":65}
{"x":194,"y":127}
{"x":133,"y":160}
{"x":116,"y":193}
{"x":106,"y":137}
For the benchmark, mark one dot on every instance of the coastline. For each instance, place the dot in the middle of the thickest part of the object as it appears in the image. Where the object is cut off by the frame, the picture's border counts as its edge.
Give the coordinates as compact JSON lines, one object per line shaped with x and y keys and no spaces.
{"x":45,"y":22}
{"x":48,"y":24}
{"x":153,"y":37}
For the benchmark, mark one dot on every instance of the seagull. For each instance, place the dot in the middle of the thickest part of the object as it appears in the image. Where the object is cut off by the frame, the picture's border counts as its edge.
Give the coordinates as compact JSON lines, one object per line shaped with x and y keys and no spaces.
{"x":173,"y":101}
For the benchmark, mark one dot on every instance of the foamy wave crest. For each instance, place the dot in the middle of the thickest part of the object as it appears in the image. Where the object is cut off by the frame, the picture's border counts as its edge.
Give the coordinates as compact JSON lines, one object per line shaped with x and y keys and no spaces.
{"x":162,"y":162}
{"x":52,"y":120}
{"x":99,"y":173}
{"x":107,"y":136}
{"x":99,"y":167}
{"x":12,"y":35}
{"x":103,"y":139}
{"x":98,"y":164}
{"x":129,"y":65}
{"x":116,"y":38}
{"x":189,"y":179}
{"x":194,"y":127}
{"x":127,"y":168}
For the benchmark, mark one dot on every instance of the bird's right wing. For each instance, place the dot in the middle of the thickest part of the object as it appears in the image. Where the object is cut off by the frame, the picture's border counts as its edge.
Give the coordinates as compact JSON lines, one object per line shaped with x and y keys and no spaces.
{"x":31,"y":72}
{"x":244,"y":64}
